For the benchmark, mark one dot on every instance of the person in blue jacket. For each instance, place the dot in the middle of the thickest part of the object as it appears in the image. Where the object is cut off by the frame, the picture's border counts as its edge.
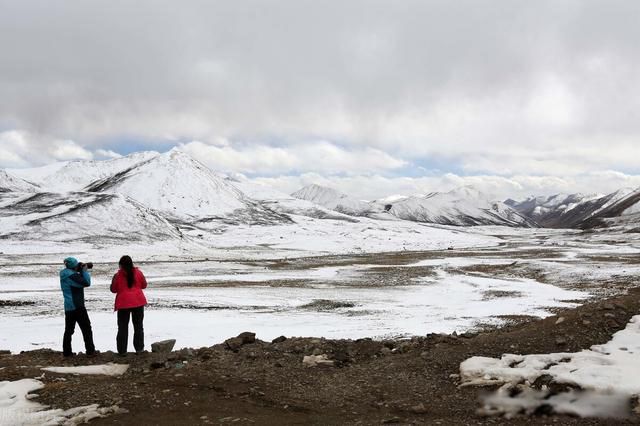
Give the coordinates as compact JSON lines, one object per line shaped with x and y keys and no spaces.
{"x":73,"y":280}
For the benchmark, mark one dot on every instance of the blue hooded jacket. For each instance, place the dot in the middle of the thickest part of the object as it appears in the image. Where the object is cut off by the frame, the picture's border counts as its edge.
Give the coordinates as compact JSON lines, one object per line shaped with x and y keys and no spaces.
{"x":72,"y":284}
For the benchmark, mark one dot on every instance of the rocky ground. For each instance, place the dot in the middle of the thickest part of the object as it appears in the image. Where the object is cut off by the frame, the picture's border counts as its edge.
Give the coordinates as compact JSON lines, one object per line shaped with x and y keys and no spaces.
{"x":248,"y":381}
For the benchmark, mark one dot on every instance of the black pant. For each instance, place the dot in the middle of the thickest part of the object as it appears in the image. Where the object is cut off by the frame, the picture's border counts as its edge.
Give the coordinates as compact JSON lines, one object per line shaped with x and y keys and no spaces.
{"x":122,"y":338}
{"x":81,"y":317}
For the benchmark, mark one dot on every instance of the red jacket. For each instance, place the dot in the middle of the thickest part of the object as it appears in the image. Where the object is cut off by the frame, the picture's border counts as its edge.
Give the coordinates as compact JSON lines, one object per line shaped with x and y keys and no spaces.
{"x":129,"y":297}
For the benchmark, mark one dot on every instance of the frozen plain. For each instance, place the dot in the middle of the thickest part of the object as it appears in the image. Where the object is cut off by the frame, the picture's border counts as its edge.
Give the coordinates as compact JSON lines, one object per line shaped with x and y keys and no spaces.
{"x":321,"y":278}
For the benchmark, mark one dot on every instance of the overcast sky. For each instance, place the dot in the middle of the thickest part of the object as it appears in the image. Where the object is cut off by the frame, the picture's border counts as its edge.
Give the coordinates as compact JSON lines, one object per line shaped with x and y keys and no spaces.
{"x":371,"y":97}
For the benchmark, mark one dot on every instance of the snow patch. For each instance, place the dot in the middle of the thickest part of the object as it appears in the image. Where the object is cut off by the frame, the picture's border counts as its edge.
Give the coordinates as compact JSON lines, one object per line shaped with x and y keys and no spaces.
{"x":605,"y":372}
{"x":109,"y":369}
{"x":16,"y":407}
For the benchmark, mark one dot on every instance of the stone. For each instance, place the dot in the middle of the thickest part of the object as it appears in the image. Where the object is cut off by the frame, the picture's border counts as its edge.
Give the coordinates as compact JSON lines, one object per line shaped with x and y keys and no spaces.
{"x":317,"y":360}
{"x":561,"y":341}
{"x":234,"y":344}
{"x":163,"y":347}
{"x":247,"y":337}
{"x":560,"y":320}
{"x":418,"y":409}
{"x":385,"y":351}
{"x":279,"y":339}
{"x":608,"y":306}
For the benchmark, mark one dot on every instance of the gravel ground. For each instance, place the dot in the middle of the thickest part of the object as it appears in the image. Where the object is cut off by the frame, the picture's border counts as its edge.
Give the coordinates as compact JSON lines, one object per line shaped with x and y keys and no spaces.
{"x":370,"y":382}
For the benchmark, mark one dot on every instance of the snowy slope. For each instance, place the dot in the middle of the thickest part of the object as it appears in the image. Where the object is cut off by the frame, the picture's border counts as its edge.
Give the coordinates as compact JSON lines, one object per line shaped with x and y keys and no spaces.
{"x":334,"y":200}
{"x":75,"y":175}
{"x":9,"y":183}
{"x":80,"y":215}
{"x":284,"y":203}
{"x":460,"y":207}
{"x":578,"y":210}
{"x":176,"y":184}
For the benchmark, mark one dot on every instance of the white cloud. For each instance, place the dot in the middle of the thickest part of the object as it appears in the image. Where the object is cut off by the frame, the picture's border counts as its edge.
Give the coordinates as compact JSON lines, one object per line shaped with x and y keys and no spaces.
{"x":499,"y":188}
{"x":316,"y":156}
{"x":68,"y":150}
{"x":107,"y":153}
{"x":19,"y":148}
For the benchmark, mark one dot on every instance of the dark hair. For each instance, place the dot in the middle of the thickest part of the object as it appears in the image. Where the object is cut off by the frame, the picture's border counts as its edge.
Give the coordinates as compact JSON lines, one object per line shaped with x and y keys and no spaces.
{"x":127,"y":264}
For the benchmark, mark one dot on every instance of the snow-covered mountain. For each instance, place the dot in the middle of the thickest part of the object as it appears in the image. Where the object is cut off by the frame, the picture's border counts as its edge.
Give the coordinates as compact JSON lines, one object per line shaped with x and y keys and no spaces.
{"x":179,"y":186}
{"x":9,"y":183}
{"x":578,"y":210}
{"x":75,"y":175}
{"x":460,"y":207}
{"x":335,"y":200}
{"x":79,"y":216}
{"x":285,"y":203}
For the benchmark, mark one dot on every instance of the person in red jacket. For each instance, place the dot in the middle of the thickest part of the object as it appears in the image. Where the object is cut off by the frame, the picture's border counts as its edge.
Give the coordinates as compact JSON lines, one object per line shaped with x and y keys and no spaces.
{"x":128,"y":284}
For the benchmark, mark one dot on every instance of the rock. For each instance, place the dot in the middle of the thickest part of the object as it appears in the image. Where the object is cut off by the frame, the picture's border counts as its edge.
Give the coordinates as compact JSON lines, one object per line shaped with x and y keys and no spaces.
{"x":609,"y":315}
{"x":317,"y":360}
{"x":560,"y":320}
{"x":234,"y":344}
{"x":163,"y":347}
{"x":608,"y":306}
{"x":418,"y":409}
{"x":385,"y":351}
{"x":247,"y":337}
{"x":561,"y":341}
{"x":586,"y":322}
{"x":279,"y":339}
{"x":392,"y":420}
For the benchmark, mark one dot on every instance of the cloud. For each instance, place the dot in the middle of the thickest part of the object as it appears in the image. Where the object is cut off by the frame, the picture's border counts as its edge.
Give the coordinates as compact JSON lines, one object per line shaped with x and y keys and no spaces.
{"x":20,"y":148}
{"x":496,"y":187}
{"x":315,"y":156}
{"x":520,"y":87}
{"x":107,"y":154}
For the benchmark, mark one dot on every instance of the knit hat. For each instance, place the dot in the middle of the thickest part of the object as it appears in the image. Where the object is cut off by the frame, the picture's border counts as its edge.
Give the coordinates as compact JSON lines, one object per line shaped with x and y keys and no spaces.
{"x":71,"y":262}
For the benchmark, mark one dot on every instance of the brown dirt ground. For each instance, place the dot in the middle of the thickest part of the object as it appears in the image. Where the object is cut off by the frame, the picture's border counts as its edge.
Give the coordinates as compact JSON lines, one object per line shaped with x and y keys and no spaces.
{"x":266,"y":383}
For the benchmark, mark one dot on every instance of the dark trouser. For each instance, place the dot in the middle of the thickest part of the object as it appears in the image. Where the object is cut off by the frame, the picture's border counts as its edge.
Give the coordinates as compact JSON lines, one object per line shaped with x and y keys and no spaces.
{"x":81,"y":317}
{"x":137,"y":315}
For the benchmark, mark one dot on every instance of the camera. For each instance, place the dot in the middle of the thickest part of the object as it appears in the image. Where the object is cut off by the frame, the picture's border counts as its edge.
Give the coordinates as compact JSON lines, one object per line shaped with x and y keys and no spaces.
{"x":81,"y":266}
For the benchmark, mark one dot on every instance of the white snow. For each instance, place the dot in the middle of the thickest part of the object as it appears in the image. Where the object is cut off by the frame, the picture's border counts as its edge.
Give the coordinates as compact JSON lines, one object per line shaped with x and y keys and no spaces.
{"x":461,"y":206}
{"x":13,"y":183}
{"x":109,"y":369}
{"x":334,"y":200}
{"x":76,"y":175}
{"x":442,"y":303}
{"x":177,"y":184}
{"x":609,"y":369}
{"x":17,"y":409}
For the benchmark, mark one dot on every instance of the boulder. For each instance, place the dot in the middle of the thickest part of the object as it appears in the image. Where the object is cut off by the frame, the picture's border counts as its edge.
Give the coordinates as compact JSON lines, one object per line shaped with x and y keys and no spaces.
{"x":163,"y":347}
